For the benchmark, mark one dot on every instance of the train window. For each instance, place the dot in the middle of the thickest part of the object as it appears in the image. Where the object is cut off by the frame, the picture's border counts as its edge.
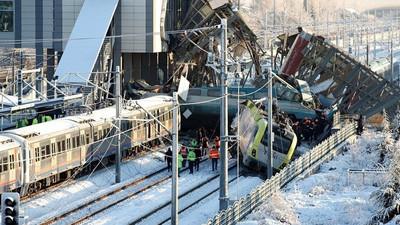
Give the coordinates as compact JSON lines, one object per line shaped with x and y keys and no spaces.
{"x":5,"y":164}
{"x":73,"y":143}
{"x":95,"y":136}
{"x":12,"y":161}
{"x":214,"y":93}
{"x":63,"y":145}
{"x":47,"y":151}
{"x":53,"y":148}
{"x":19,"y":160}
{"x":105,"y":133}
{"x":43,"y":152}
{"x":1,"y":164}
{"x":59,"y":146}
{"x":194,"y":92}
{"x":37,"y":154}
{"x":100,"y":134}
{"x":83,"y":139}
{"x":108,"y":131}
{"x":77,"y":141}
{"x":87,"y":138}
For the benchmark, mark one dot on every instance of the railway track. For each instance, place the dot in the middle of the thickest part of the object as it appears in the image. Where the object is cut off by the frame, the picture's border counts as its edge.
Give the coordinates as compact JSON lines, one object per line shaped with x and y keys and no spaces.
{"x":127,"y":188}
{"x":166,"y":206}
{"x":54,"y":186}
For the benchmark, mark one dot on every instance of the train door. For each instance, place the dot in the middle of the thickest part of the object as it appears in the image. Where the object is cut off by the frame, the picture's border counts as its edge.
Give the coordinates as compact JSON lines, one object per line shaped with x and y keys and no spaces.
{"x":134,"y":134}
{"x":148,"y":125}
{"x":53,"y":153}
{"x":68,"y":147}
{"x":82,"y":145}
{"x":158,"y":124}
{"x":4,"y":171}
{"x":36,"y":158}
{"x":76,"y":153}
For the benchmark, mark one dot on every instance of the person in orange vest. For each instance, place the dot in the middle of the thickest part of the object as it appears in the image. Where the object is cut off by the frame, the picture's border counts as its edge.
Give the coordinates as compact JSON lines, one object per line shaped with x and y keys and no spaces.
{"x":183,"y":152}
{"x":217,"y":143}
{"x":214,"y":156}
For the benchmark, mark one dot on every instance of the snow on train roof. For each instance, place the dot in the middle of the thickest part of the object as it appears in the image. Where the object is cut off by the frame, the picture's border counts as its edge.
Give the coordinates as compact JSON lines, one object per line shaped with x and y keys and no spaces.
{"x":71,"y":121}
{"x":7,"y":143}
{"x":110,"y":112}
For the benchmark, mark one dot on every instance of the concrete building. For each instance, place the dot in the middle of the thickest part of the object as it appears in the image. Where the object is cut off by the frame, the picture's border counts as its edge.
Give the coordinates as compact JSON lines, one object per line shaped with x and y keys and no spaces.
{"x":93,"y":36}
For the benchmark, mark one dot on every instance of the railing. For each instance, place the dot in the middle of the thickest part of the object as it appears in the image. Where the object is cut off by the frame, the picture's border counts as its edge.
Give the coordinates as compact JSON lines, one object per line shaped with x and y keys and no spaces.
{"x":241,"y":208}
{"x":371,"y":175}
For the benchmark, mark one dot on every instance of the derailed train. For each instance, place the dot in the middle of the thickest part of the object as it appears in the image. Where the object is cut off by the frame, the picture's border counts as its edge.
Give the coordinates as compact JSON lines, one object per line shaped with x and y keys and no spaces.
{"x":254,"y":139}
{"x":40,"y":155}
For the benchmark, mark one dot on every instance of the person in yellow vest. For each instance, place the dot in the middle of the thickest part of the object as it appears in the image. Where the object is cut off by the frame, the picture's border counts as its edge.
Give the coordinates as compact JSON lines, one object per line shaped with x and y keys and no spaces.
{"x":25,"y":123}
{"x":191,"y":158}
{"x":34,"y":121}
{"x":48,"y":118}
{"x":214,"y":156}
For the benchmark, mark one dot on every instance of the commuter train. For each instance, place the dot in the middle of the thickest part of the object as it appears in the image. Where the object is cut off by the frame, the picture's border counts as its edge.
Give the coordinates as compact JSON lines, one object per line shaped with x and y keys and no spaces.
{"x":253,"y":144}
{"x":43,"y":154}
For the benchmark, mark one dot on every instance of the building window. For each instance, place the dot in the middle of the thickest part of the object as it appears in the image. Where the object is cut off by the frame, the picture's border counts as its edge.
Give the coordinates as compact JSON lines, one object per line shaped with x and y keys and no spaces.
{"x":6,"y":16}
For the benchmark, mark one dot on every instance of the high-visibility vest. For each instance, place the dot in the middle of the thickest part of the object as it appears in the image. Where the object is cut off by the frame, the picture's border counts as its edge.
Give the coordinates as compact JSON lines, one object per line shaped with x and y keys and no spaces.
{"x":34,"y":121}
{"x":25,"y":122}
{"x":192,"y":156}
{"x":214,"y":153}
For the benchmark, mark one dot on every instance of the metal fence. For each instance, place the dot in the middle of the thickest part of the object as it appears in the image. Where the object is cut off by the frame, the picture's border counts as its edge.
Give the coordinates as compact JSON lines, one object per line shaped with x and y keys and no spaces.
{"x":241,"y":208}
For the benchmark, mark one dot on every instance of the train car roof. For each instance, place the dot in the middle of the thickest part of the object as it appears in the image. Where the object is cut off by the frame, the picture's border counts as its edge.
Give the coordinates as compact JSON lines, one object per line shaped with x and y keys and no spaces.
{"x":110,"y":112}
{"x":43,"y":128}
{"x":7,"y":143}
{"x":68,"y":122}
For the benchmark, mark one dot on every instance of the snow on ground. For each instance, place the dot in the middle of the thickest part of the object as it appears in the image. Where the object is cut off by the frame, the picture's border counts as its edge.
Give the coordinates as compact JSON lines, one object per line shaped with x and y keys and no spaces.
{"x":84,"y":189}
{"x":325,"y":197}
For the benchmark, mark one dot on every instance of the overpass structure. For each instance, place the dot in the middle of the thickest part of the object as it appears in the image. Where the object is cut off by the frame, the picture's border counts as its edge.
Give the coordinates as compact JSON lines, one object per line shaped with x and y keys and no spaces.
{"x":339,"y":77}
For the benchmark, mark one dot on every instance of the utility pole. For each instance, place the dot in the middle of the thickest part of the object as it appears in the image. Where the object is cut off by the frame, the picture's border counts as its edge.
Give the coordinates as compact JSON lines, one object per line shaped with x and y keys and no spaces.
{"x":223,"y":185}
{"x":269,"y":126}
{"x":174,"y":201}
{"x":274,"y":13}
{"x":118,"y":119}
{"x":20,"y":79}
{"x":13,"y":72}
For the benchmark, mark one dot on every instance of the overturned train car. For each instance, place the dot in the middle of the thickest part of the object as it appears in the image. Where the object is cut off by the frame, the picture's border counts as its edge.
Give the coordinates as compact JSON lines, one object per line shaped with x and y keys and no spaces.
{"x":252,"y":129}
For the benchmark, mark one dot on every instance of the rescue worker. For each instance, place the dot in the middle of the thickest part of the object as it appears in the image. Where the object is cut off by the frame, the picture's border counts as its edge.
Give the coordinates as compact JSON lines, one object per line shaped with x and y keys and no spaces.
{"x":204,"y":145}
{"x":297,"y":131}
{"x":180,"y":160}
{"x":197,"y":152}
{"x":25,"y":123}
{"x":191,"y":158}
{"x":168,"y":158}
{"x":183,"y":152}
{"x":217,"y":142}
{"x":34,"y":121}
{"x":214,"y":156}
{"x":193,"y":143}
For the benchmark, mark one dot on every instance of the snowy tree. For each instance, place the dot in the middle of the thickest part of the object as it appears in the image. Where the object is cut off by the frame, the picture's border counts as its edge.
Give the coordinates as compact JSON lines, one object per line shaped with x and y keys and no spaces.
{"x":388,"y":196}
{"x":396,"y":123}
{"x":386,"y":145}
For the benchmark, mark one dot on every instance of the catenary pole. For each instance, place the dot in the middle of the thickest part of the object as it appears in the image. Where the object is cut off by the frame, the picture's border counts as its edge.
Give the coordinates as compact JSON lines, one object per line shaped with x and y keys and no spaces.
{"x":118,"y":119}
{"x":269,"y":126}
{"x":223,"y":189}
{"x":174,"y":196}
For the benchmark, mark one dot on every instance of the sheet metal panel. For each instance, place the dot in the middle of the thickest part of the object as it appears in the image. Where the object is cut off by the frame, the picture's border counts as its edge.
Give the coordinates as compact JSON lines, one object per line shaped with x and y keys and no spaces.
{"x":85,"y":41}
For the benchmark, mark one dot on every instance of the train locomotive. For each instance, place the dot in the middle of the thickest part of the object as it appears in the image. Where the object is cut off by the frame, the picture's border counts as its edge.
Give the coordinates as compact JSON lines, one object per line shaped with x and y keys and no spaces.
{"x":253,"y":144}
{"x":37,"y":156}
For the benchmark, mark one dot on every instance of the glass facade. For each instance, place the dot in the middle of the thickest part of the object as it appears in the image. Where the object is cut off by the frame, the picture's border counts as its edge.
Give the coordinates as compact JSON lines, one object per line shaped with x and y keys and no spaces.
{"x":6,"y":16}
